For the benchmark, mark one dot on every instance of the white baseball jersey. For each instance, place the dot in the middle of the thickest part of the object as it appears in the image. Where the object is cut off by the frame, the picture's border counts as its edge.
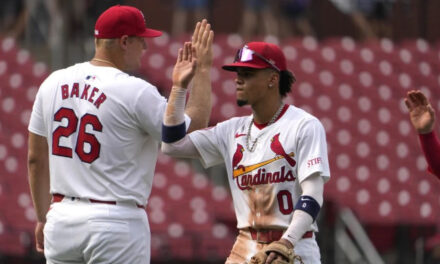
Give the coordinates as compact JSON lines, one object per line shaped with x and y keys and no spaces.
{"x":103,"y":127}
{"x":265,"y":184}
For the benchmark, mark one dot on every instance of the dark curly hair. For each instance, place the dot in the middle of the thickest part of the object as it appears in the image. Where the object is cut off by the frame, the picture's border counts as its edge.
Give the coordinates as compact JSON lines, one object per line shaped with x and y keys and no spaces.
{"x":286,"y":81}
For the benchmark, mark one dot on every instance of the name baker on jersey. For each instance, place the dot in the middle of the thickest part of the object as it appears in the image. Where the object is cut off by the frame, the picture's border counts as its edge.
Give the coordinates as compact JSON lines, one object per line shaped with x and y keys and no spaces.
{"x":262,"y":177}
{"x":74,"y":91}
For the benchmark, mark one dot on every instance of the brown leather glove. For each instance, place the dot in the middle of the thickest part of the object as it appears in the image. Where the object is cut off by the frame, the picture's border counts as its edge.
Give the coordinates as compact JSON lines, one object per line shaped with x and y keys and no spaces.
{"x":279,"y":248}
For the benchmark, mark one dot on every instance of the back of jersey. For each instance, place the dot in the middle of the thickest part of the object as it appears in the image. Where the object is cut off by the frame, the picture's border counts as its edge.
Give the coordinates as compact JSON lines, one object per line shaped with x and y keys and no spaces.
{"x":103,"y":128}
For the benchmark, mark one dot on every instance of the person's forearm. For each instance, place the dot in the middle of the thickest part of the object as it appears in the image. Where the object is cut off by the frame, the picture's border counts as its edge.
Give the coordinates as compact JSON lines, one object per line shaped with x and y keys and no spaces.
{"x":431,"y":148}
{"x":41,"y":196}
{"x":199,"y":101}
{"x":38,"y":171}
{"x":301,"y":222}
{"x":174,"y":113}
{"x":183,"y":148}
{"x":39,"y":186}
{"x":312,"y":188}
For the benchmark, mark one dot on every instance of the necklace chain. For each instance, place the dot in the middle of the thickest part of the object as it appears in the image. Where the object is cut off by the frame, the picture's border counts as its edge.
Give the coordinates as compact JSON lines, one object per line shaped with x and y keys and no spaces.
{"x":105,"y":61}
{"x":248,"y":135}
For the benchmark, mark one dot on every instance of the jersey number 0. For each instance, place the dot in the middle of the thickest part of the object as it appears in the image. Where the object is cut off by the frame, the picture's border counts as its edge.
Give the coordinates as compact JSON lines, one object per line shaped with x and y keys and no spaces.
{"x":83,"y":136}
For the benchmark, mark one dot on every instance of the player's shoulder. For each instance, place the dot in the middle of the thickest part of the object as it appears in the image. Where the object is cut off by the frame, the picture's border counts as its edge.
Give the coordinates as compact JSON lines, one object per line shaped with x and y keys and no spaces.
{"x":234,"y":121}
{"x":301,"y":116}
{"x":57,"y":73}
{"x":299,"y":113}
{"x":109,"y":76}
{"x":69,"y":71}
{"x":52,"y":80}
{"x":138,"y":84}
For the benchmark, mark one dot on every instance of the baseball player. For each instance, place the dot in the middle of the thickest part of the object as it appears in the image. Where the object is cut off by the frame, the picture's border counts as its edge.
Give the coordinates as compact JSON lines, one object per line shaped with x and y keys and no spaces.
{"x":94,"y":136}
{"x":276,"y":160}
{"x":422,"y":117}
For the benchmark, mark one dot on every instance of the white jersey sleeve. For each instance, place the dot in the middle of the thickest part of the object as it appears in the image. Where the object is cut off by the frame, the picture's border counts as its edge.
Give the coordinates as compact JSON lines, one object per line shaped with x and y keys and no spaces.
{"x":150,"y":116}
{"x":312,"y":149}
{"x":211,"y":143}
{"x":38,"y":123}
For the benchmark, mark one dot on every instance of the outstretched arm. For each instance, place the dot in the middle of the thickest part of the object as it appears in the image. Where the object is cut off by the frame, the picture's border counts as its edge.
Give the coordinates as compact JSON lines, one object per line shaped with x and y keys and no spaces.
{"x":183,"y":72}
{"x":422,"y":117}
{"x":199,"y":102}
{"x":174,"y":142}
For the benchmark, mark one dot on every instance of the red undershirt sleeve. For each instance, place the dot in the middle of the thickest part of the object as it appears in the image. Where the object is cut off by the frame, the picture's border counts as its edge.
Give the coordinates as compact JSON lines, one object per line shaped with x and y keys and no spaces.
{"x":431,"y":148}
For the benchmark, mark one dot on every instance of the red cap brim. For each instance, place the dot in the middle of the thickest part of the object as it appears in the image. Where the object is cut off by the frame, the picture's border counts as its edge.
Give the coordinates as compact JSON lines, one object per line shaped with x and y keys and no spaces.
{"x":234,"y":66}
{"x":150,"y":33}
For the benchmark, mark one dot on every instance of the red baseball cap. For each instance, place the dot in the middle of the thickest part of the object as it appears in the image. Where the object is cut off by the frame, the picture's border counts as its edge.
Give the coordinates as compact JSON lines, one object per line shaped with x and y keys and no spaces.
{"x":120,"y":20}
{"x":258,"y":55}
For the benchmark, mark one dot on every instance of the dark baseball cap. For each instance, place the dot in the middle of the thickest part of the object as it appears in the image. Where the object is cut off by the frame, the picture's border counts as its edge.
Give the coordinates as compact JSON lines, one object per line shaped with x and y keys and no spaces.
{"x":120,"y":20}
{"x":258,"y":55}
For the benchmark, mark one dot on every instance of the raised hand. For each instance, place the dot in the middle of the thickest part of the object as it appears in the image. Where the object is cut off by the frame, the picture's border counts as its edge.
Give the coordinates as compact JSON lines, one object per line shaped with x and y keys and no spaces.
{"x":202,"y":40}
{"x":421,"y":112}
{"x":185,"y":66}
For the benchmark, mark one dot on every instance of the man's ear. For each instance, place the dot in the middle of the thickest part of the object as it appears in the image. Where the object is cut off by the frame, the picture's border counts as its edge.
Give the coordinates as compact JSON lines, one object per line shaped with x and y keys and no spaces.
{"x":123,"y":42}
{"x":274,"y":78}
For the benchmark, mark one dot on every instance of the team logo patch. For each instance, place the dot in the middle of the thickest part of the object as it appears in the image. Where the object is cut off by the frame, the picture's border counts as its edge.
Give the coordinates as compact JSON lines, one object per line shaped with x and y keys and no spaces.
{"x":275,"y":146}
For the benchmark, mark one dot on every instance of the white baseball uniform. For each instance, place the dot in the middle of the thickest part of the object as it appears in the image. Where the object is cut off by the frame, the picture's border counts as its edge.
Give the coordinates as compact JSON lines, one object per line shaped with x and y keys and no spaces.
{"x":265,"y":184}
{"x":103,"y":129}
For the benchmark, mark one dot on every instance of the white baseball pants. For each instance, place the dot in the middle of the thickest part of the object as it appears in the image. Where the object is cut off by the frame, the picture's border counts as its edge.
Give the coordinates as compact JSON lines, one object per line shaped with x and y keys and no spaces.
{"x":78,"y":231}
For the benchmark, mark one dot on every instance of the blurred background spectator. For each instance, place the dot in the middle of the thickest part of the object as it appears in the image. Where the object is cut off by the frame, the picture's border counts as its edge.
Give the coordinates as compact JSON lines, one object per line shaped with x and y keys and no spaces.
{"x":294,"y":18}
{"x":258,"y":19}
{"x":371,"y":17}
{"x":194,"y":9}
{"x":379,"y":14}
{"x":13,"y":15}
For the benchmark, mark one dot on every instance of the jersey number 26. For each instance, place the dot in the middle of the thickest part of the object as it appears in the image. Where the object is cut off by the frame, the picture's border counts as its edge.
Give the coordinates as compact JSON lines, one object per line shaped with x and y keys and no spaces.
{"x":83,"y":136}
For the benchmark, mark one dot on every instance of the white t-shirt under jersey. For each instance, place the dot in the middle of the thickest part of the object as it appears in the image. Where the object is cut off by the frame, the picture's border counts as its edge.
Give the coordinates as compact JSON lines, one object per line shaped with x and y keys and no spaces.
{"x":103,"y":128}
{"x":265,"y":184}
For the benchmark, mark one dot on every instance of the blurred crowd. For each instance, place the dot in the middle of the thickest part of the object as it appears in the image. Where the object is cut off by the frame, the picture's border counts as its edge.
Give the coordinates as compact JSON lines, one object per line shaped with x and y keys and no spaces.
{"x":52,"y":27}
{"x":287,"y":18}
{"x":63,"y":27}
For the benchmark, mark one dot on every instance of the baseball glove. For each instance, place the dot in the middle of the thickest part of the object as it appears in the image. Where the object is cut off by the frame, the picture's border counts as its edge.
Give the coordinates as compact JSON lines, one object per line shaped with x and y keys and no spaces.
{"x":280,"y":249}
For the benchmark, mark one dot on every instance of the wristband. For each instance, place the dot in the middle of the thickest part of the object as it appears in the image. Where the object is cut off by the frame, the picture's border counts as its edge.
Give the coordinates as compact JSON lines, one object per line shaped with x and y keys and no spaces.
{"x":309,"y":205}
{"x":172,"y":134}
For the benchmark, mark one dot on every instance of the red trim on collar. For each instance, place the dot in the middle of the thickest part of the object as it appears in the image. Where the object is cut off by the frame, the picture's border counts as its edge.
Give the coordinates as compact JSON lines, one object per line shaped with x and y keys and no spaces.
{"x":261,"y":126}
